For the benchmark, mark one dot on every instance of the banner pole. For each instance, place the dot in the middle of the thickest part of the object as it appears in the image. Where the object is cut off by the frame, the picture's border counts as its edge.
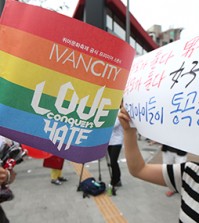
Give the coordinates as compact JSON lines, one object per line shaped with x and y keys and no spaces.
{"x":127,"y":23}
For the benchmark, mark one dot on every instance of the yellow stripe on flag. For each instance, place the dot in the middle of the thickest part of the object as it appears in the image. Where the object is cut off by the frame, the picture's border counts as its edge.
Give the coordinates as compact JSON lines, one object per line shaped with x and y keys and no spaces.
{"x":28,"y":75}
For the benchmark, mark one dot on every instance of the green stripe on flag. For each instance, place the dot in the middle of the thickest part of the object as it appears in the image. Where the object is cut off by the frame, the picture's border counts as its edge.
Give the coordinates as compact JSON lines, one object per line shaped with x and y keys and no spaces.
{"x":20,"y":98}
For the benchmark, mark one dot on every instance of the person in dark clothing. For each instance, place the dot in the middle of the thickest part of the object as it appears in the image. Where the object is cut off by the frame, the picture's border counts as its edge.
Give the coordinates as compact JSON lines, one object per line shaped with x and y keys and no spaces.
{"x":5,"y":177}
{"x":180,"y":153}
{"x":3,"y":218}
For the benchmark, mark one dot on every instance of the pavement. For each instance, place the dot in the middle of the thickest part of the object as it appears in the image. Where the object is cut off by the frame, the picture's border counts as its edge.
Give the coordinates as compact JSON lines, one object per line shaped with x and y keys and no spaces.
{"x":37,"y":200}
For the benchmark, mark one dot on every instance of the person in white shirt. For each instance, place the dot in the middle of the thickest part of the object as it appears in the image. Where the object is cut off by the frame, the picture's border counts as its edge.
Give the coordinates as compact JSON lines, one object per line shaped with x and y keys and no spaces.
{"x":114,"y":149}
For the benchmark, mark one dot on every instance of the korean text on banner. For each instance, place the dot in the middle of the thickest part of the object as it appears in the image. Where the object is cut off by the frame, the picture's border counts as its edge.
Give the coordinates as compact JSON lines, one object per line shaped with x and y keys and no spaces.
{"x":162,"y":94}
{"x":61,"y":82}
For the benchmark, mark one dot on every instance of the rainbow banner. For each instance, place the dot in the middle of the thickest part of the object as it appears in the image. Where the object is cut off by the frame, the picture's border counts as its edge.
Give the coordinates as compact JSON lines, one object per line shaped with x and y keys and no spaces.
{"x":61,"y":82}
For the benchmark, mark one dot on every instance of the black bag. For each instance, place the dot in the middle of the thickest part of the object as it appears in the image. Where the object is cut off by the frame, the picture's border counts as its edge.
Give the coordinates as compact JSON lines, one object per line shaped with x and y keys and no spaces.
{"x":5,"y":194}
{"x":90,"y":186}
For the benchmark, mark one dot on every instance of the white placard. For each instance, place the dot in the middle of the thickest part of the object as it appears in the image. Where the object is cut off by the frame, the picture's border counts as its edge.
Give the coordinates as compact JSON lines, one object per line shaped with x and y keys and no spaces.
{"x":162,"y":95}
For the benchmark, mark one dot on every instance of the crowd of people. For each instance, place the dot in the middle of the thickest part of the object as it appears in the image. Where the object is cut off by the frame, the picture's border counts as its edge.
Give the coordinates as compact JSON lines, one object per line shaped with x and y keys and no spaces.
{"x":175,"y":172}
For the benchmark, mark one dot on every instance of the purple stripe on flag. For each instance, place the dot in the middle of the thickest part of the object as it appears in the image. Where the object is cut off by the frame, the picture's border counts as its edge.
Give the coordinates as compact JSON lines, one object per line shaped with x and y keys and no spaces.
{"x":74,"y":153}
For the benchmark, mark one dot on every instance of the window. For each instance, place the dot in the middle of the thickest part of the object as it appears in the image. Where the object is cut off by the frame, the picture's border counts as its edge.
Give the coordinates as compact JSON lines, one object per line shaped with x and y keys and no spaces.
{"x":109,"y":22}
{"x":118,"y":29}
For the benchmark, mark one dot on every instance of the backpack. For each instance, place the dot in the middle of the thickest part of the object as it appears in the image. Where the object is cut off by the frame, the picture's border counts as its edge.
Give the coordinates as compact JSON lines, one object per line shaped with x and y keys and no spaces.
{"x":90,"y":186}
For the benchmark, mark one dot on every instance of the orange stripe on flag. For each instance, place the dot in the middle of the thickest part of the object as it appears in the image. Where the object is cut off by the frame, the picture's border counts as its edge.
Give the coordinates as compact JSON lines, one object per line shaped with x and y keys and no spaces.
{"x":62,"y":59}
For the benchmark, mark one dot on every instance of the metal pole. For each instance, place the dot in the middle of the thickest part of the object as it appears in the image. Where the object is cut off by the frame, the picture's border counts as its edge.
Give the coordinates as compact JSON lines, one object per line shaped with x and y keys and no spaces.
{"x":127,"y":23}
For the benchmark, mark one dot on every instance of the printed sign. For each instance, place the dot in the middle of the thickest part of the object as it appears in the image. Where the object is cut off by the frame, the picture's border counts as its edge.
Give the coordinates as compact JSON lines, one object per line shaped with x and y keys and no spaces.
{"x":61,"y":82}
{"x":162,"y":95}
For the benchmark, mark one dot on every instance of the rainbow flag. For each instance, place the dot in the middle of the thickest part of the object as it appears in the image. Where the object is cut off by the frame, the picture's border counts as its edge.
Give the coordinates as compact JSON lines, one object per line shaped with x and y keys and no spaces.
{"x":61,"y":82}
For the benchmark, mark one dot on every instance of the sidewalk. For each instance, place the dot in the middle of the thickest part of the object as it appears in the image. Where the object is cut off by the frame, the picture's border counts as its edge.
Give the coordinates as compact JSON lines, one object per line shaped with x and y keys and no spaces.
{"x":37,"y":200}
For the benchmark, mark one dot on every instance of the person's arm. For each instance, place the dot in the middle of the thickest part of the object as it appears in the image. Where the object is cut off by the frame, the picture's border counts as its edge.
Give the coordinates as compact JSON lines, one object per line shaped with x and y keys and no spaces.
{"x":3,"y":175}
{"x":6,"y":176}
{"x":136,"y":164}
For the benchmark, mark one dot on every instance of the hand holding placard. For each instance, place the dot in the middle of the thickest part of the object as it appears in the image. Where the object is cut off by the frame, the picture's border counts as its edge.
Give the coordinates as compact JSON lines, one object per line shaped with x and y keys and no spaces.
{"x":162,"y":94}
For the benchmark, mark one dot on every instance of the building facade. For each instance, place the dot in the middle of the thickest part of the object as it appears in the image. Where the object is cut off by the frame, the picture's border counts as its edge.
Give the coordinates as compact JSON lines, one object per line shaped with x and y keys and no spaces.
{"x":109,"y":15}
{"x":163,"y":38}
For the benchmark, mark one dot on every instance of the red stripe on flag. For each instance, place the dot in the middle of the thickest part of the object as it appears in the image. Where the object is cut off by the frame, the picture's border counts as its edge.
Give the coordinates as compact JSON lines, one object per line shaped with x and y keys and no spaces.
{"x":61,"y":29}
{"x":73,"y":63}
